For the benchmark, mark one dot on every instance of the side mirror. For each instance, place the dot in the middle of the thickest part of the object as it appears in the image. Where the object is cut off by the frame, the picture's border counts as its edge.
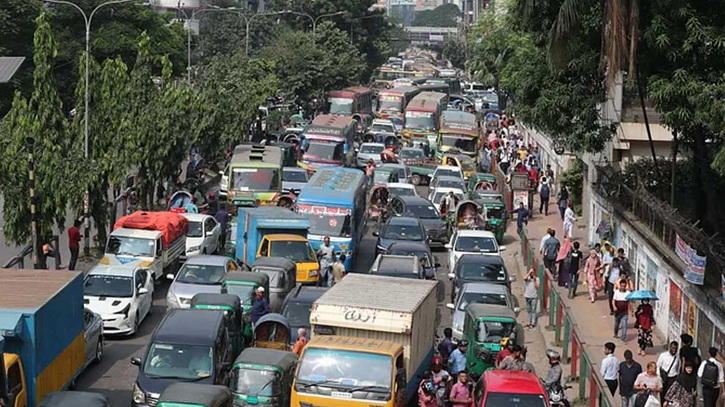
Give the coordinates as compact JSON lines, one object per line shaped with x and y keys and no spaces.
{"x":512,"y":279}
{"x":517,"y":310}
{"x":448,"y":246}
{"x":502,"y":248}
{"x":451,"y":276}
{"x":221,"y":173}
{"x":376,"y":234}
{"x":209,"y":233}
{"x":170,"y":276}
{"x":143,"y":291}
{"x":450,"y":306}
{"x":136,"y":361}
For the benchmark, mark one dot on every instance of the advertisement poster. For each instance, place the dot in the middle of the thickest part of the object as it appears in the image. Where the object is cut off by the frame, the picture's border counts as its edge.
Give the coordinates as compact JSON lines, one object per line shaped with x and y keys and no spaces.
{"x":691,"y":319}
{"x":521,"y":196}
{"x":695,"y":272}
{"x":719,"y":342}
{"x":675,"y":311}
{"x":704,"y":332}
{"x":662,"y":307}
{"x":682,"y":249}
{"x":685,"y":312}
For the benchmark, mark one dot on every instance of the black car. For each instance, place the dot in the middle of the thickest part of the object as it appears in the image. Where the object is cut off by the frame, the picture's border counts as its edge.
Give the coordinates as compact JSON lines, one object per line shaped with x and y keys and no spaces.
{"x":475,"y":268}
{"x":402,"y":229}
{"x":423,"y":209}
{"x":420,"y":250}
{"x":296,"y":308}
{"x":187,"y":346}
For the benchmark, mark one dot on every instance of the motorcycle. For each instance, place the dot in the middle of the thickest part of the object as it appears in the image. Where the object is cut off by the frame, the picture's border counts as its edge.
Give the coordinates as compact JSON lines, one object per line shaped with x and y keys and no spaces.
{"x":557,"y":396}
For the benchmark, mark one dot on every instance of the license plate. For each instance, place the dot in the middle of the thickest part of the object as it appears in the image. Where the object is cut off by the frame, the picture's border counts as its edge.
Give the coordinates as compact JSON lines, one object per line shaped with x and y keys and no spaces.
{"x":341,"y":394}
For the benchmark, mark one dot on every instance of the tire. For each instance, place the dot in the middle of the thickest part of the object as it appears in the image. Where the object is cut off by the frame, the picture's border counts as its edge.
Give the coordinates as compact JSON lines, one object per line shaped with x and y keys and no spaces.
{"x":416,"y":180}
{"x":99,"y":350}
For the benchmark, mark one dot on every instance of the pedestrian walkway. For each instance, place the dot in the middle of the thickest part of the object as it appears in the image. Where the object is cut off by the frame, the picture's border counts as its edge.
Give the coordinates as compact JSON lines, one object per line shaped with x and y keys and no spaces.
{"x":577,"y":323}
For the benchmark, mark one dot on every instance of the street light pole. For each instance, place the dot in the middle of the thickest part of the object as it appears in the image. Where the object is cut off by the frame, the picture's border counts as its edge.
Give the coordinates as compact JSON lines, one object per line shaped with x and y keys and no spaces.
{"x":313,"y":19}
{"x":248,"y":21}
{"x":87,"y":19}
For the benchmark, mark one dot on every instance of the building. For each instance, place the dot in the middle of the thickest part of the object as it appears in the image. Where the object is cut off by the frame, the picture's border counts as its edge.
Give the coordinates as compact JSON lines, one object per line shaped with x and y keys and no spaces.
{"x":430,"y":35}
{"x":402,"y":9}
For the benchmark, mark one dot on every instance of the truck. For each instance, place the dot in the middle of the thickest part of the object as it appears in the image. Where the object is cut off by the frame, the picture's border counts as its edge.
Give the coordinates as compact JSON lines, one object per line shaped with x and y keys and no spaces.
{"x":43,"y":333}
{"x":157,"y":238}
{"x":255,"y":223}
{"x":381,"y":330}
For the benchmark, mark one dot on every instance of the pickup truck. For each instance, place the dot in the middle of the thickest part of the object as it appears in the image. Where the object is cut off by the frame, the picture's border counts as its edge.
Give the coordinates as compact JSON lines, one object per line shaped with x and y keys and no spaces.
{"x":49,"y":338}
{"x":255,"y":223}
{"x":157,"y":238}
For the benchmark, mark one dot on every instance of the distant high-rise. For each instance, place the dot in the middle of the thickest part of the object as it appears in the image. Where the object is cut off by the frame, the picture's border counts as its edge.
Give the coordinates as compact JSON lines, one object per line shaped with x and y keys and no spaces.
{"x":402,"y":9}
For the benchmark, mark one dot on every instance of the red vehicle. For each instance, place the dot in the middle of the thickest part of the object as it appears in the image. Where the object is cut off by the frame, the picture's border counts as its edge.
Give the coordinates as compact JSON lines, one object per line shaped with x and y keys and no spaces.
{"x":355,"y":101}
{"x":498,"y":388}
{"x":392,"y":102}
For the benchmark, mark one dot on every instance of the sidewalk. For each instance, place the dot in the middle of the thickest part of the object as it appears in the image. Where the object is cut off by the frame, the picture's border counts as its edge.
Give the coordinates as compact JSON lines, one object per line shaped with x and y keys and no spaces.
{"x":592,"y":322}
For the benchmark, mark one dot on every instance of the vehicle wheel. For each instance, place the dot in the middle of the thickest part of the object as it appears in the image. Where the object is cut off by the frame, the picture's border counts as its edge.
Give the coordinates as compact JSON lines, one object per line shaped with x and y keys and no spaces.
{"x":415,"y":179}
{"x":99,"y":350}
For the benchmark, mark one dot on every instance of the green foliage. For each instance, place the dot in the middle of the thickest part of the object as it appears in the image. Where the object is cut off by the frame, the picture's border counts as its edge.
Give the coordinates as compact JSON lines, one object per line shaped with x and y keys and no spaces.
{"x":455,"y":51}
{"x":573,"y":180}
{"x":444,"y":15}
{"x":16,"y":39}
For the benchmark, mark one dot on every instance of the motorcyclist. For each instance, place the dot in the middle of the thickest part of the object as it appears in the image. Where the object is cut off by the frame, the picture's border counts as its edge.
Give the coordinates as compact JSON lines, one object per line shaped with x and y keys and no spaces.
{"x":553,"y":376}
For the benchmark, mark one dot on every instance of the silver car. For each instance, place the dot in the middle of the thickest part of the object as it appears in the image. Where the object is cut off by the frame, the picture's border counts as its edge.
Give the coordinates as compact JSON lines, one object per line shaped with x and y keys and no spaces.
{"x":368,"y":151}
{"x":479,"y":293}
{"x":200,"y":274}
{"x":93,"y":333}
{"x":294,"y":179}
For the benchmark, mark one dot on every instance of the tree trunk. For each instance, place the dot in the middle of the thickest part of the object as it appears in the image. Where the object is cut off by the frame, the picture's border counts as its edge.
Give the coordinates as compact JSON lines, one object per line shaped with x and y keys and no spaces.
{"x":674,"y":168}
{"x":706,"y":199}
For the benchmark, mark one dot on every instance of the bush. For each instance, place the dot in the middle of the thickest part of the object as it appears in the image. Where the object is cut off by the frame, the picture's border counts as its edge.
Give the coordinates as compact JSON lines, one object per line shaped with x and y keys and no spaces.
{"x":573,"y":180}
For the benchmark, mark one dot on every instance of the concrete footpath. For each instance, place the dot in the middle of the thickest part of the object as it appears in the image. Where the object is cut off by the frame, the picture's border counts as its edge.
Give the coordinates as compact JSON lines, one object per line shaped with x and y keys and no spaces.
{"x":594,"y":325}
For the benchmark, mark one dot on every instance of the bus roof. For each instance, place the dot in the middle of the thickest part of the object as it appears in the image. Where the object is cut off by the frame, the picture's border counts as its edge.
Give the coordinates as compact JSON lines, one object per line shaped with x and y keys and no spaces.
{"x":456,"y":121}
{"x":426,"y":102}
{"x":458,"y":116}
{"x":256,"y":155}
{"x":335,"y":186}
{"x":350,"y":92}
{"x":400,"y":90}
{"x":329,"y":125}
{"x":354,"y":344}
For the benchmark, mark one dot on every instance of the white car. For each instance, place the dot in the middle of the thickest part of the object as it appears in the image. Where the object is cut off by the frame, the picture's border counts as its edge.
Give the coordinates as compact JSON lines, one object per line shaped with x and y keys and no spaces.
{"x":121,"y":294}
{"x":382,"y":126}
{"x":402,"y":189}
{"x":436,"y":195}
{"x":448,"y":171}
{"x":472,"y":242}
{"x":203,"y":236}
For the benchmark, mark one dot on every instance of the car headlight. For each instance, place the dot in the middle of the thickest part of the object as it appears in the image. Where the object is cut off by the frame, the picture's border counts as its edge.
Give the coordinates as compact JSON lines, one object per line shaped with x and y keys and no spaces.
{"x":139,"y":397}
{"x":124,"y":311}
{"x":312,"y":273}
{"x":184,"y":301}
{"x":171,"y":301}
{"x":193,"y":249}
{"x":458,"y":326}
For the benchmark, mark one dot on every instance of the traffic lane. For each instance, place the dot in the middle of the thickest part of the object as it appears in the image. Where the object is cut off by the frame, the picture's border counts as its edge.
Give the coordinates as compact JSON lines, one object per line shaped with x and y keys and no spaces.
{"x":114,"y":376}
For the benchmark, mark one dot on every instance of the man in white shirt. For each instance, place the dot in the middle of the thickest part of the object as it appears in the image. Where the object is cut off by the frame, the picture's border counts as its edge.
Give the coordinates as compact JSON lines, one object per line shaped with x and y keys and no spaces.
{"x":711,"y":379}
{"x":543,"y":240}
{"x":668,"y":365}
{"x":610,"y":367}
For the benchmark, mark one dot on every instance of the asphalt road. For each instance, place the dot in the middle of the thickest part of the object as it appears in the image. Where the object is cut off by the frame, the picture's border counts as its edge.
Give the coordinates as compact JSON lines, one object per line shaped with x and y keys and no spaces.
{"x":115,"y":375}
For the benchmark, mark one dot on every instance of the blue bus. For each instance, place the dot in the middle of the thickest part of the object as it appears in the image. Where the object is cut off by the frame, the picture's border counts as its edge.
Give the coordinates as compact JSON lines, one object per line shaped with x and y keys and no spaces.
{"x":334,"y":200}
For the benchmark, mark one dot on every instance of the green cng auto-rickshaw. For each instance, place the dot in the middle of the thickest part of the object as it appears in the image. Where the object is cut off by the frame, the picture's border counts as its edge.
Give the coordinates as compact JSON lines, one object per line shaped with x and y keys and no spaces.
{"x":263,"y":377}
{"x":186,"y":394}
{"x":482,"y":181}
{"x":498,"y":219}
{"x":244,"y":284}
{"x":488,"y":328}
{"x":232,"y":307}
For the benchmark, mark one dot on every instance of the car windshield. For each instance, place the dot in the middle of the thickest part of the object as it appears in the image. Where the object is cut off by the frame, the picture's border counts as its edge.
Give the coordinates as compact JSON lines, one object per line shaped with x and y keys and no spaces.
{"x":411,"y":153}
{"x":371,"y":149}
{"x":449,"y":183}
{"x":255,"y":382}
{"x":382,"y":176}
{"x":332,"y":152}
{"x":476,"y":244}
{"x":390,"y":103}
{"x":417,"y":253}
{"x":294,"y":176}
{"x":194,"y":229}
{"x":495,"y":399}
{"x":200,"y":274}
{"x":463,"y":144}
{"x":494,"y":331}
{"x":382,"y":128}
{"x":439,"y":195}
{"x":419,"y":121}
{"x":398,"y":191}
{"x":255,"y":179}
{"x":297,"y":251}
{"x":403,"y":232}
{"x":447,"y":173}
{"x":482,"y":272}
{"x":179,"y":362}
{"x":243,"y":291}
{"x":341,"y":106}
{"x":481,"y":298}
{"x":108,"y":286}
{"x":422,"y":211}
{"x":130,"y":246}
{"x":346,"y":370}
{"x":298,"y":314}
{"x":494,"y":213}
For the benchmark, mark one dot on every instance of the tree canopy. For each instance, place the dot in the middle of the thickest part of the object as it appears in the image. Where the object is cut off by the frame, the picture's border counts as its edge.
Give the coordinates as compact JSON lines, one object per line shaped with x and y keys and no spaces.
{"x":445,"y":15}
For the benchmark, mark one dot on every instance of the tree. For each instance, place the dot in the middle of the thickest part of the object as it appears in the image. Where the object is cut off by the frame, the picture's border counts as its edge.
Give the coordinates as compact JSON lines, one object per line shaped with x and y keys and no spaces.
{"x":445,"y":15}
{"x":17,"y":24}
{"x":454,"y":50}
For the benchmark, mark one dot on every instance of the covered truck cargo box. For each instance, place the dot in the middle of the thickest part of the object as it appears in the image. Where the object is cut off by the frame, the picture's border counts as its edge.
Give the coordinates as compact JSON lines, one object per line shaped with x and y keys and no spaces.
{"x":41,"y":319}
{"x":170,"y":224}
{"x":386,"y":308}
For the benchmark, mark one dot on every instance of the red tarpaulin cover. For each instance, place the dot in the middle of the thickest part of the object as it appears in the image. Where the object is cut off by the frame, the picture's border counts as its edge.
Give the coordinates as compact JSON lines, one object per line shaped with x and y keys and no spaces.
{"x":171,"y":225}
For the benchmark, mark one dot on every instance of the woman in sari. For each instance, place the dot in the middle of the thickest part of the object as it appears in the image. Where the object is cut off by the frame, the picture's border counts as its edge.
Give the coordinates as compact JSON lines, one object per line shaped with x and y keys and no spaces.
{"x":592,"y":267}
{"x":683,"y":391}
{"x":644,"y":319}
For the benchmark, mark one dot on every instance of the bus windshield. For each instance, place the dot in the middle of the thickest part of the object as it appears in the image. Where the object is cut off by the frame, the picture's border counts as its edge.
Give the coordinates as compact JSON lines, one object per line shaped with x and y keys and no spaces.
{"x":340,"y":105}
{"x":330,"y":225}
{"x":419,"y":121}
{"x":390,"y":103}
{"x":255,"y":179}
{"x":324,"y":152}
{"x":463,"y":144}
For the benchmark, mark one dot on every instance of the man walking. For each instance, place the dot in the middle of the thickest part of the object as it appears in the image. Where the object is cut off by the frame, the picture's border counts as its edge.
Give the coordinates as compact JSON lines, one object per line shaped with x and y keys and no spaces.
{"x":338,"y":270}
{"x":457,"y":360}
{"x":612,"y":279}
{"x":610,"y":367}
{"x":445,"y":347}
{"x":531,"y":294}
{"x":544,"y":194}
{"x":74,"y":240}
{"x":668,"y":366}
{"x":551,"y":251}
{"x":712,"y":378}
{"x":621,"y":309}
{"x":222,"y":216}
{"x":522,"y":217}
{"x":628,"y":372}
{"x":326,"y":254}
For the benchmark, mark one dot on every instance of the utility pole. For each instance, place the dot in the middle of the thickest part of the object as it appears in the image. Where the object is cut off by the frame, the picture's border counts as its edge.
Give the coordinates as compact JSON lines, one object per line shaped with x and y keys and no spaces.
{"x":30,"y":142}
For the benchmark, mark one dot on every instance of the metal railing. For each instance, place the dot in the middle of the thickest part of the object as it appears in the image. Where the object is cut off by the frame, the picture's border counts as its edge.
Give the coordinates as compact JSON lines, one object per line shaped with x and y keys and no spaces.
{"x":18,"y":261}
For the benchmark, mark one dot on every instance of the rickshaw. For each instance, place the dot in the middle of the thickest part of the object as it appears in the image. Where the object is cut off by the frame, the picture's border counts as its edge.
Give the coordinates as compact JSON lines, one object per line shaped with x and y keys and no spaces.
{"x":178,"y":201}
{"x":185,"y":394}
{"x":282,"y":278}
{"x":449,"y":219}
{"x":272,"y":331}
{"x":74,"y":399}
{"x":263,"y":377}
{"x":244,"y":285}
{"x":481,"y":181}
{"x":232,"y":308}
{"x":488,"y":328}
{"x":378,"y":201}
{"x":392,"y":142}
{"x":388,"y":156}
{"x":466,"y":213}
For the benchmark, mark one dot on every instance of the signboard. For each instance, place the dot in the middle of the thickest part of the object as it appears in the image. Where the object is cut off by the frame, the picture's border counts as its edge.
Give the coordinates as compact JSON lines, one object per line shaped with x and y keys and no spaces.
{"x":681,"y":248}
{"x":662,"y":306}
{"x":695,"y":270}
{"x":323,"y":210}
{"x":675,"y":311}
{"x":521,"y":197}
{"x":704,"y":332}
{"x":689,"y":318}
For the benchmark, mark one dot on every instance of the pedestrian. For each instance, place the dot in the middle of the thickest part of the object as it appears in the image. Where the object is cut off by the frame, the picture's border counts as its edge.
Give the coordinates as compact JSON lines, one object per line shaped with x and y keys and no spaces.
{"x":543,"y":241}
{"x":445,"y":347}
{"x":522,"y":217}
{"x":369,"y":168}
{"x":505,"y":352}
{"x":461,"y":392}
{"x":563,"y":261}
{"x":621,"y":310}
{"x":610,"y":367}
{"x":688,"y":353}
{"x":625,"y":268}
{"x":549,"y":173}
{"x":611,"y":284}
{"x":628,"y":372}
{"x":569,"y":219}
{"x":649,"y":380}
{"x":562,"y":199}
{"x":544,"y":193}
{"x":260,"y":307}
{"x":515,"y":361}
{"x":222,"y":217}
{"x":607,"y":258}
{"x":531,"y":294}
{"x":427,"y":392}
{"x":457,"y":360}
{"x":711,"y":378}
{"x":551,"y":251}
{"x":576,"y":263}
{"x":668,"y":365}
{"x":74,"y":240}
{"x":441,"y":379}
{"x":591,"y":269}
{"x":326,"y":256}
{"x":301,"y":341}
{"x":338,"y":270}
{"x":644,"y":320}
{"x":683,"y":391}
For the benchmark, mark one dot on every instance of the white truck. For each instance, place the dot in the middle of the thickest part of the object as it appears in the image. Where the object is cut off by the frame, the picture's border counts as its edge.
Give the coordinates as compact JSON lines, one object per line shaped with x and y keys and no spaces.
{"x":392,"y":309}
{"x":159,"y":244}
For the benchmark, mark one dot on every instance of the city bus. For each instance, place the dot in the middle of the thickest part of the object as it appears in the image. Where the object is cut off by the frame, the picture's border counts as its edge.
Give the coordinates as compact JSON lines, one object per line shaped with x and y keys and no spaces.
{"x":255,"y":175}
{"x":355,"y":101}
{"x":334,"y":199}
{"x":422,"y":116}
{"x":430,"y":86}
{"x":328,"y":142}
{"x":385,"y":76}
{"x":392,"y":102}
{"x":454,"y":84}
{"x":458,"y":130}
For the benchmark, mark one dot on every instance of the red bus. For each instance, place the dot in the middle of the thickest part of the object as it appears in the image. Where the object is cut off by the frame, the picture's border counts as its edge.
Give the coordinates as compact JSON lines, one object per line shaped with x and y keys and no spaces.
{"x":422,"y":116}
{"x":392,"y":102}
{"x":355,"y":101}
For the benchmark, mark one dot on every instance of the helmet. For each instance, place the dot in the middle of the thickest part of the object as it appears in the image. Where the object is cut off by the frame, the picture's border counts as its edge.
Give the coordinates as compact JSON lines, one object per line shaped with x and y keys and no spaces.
{"x":462,"y":343}
{"x":552,"y":354}
{"x":437,"y":360}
